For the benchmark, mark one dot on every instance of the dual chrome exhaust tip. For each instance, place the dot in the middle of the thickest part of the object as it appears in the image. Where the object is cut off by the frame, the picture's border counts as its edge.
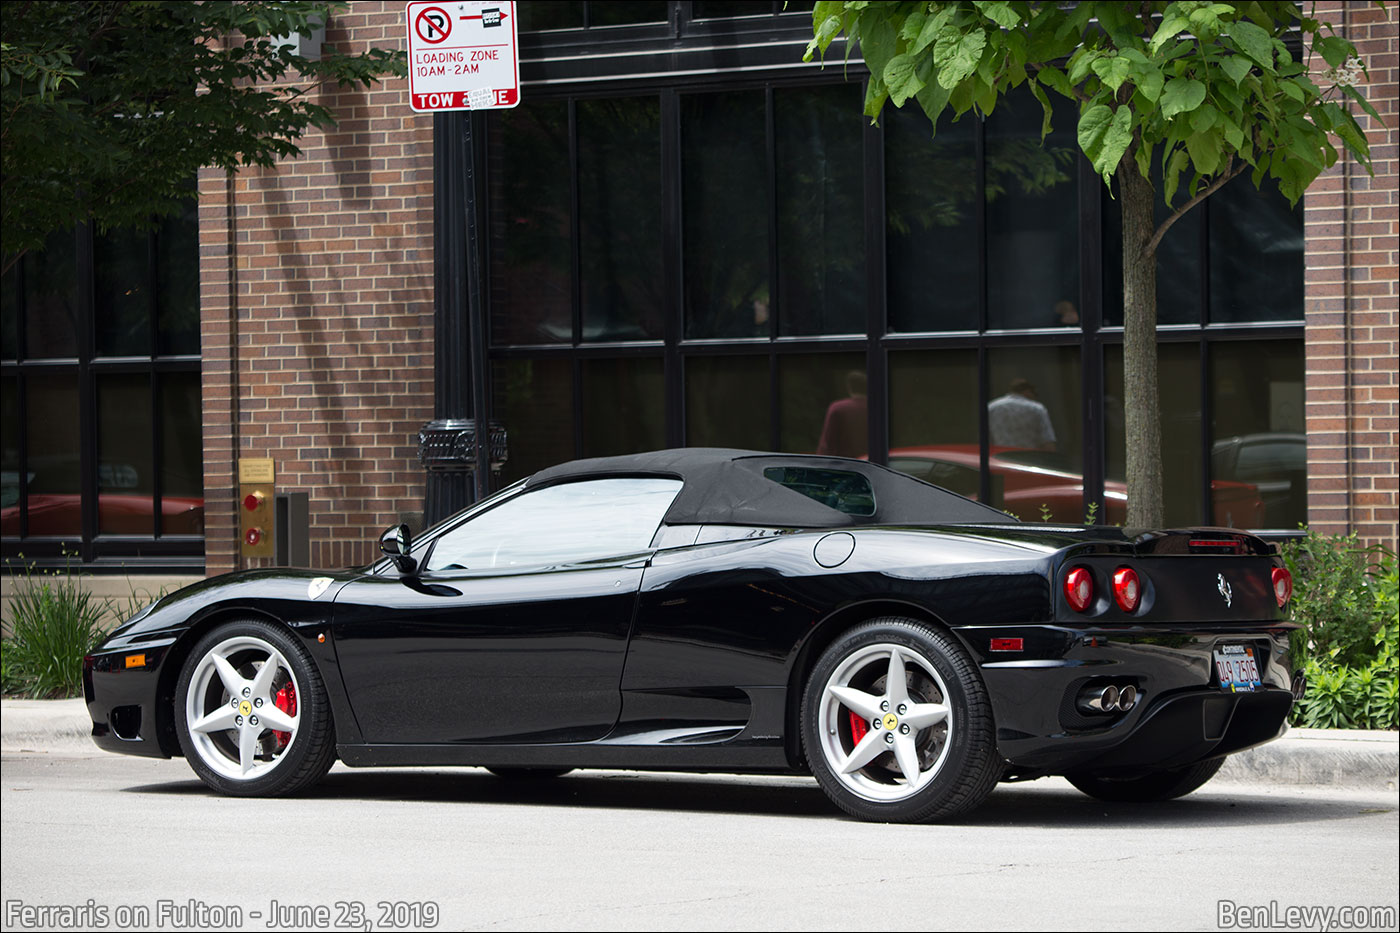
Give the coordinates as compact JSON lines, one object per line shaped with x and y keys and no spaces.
{"x":1108,"y":699}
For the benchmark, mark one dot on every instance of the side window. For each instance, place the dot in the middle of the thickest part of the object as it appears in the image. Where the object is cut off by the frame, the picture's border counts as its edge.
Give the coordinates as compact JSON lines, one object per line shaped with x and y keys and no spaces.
{"x":563,"y":524}
{"x":835,"y":489}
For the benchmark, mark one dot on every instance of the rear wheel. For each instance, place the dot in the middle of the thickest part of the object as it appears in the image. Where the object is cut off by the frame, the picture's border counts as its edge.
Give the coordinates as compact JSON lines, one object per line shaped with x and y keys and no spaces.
{"x":251,"y":712}
{"x":1145,"y":788}
{"x":897,"y":726}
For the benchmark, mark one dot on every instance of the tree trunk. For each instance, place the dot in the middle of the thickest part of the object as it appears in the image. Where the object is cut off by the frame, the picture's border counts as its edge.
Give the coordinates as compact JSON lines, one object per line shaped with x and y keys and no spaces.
{"x":1142,"y":421}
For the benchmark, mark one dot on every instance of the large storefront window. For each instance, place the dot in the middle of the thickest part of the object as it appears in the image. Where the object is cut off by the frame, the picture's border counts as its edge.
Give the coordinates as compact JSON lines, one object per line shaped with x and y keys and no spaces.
{"x":102,"y":454}
{"x":741,"y":259}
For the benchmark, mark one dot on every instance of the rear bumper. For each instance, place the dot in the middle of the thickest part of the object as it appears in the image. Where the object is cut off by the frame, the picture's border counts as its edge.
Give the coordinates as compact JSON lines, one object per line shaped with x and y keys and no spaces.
{"x":1183,"y":716}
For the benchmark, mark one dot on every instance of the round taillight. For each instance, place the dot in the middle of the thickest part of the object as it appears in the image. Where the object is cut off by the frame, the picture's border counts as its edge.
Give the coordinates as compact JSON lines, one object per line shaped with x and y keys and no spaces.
{"x":1127,"y":589}
{"x":1283,"y":585}
{"x":1079,"y":589}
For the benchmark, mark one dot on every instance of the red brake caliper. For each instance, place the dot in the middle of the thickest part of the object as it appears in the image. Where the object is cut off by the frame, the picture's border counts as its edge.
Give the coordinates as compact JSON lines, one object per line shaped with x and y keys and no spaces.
{"x":286,"y":701}
{"x":858,"y":726}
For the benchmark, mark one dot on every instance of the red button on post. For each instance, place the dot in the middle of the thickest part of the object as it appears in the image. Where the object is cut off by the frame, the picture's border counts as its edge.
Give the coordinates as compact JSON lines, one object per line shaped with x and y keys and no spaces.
{"x":253,"y":536}
{"x":252,"y":501}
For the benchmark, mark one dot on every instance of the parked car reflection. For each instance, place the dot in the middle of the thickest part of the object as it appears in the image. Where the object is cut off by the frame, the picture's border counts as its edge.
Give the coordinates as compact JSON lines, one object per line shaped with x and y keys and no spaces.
{"x":1035,"y":484}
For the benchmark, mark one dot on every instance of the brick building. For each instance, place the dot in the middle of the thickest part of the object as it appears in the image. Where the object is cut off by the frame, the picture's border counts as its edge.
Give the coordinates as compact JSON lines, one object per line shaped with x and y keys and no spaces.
{"x":695,"y":238}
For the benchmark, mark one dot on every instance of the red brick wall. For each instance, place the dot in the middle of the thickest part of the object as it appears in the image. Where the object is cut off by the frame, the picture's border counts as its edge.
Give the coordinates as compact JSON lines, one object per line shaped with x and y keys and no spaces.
{"x":1352,"y":226}
{"x":316,"y":306}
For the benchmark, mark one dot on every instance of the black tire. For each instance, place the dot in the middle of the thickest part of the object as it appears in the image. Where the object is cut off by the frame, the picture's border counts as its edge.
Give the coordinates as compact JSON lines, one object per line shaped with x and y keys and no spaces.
{"x":529,"y":774}
{"x":954,"y":758}
{"x":1146,"y":788}
{"x":247,"y":756}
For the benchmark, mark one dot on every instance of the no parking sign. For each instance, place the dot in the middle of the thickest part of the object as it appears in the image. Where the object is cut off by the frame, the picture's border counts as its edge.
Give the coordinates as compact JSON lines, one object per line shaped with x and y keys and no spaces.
{"x":462,"y":55}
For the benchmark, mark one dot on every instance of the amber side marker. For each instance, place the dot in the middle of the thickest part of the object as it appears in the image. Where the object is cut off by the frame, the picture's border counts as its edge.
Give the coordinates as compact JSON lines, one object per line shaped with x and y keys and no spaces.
{"x":136,"y":660}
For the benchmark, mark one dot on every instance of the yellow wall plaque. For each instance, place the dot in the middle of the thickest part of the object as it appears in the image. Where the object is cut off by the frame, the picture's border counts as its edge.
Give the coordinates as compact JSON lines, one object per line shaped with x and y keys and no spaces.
{"x":255,"y":470}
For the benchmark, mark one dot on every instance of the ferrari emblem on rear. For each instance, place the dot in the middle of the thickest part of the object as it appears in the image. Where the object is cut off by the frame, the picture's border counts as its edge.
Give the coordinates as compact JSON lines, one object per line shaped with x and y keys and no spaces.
{"x":1224,"y":587}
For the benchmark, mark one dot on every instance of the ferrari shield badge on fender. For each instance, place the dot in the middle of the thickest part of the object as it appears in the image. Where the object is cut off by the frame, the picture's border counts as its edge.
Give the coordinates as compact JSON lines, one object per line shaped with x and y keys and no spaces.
{"x":317,"y":586}
{"x":1224,"y":587}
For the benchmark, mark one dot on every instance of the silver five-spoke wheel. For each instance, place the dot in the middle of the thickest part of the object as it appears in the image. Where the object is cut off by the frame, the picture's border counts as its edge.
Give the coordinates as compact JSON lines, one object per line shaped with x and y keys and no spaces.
{"x":897,"y":725}
{"x":252,"y":713}
{"x":241,"y":708}
{"x":885,"y":722}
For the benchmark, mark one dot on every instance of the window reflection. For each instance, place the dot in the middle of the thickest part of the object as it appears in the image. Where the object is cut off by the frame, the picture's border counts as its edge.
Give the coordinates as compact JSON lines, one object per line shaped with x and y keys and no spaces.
{"x":1032,"y":197}
{"x":822,"y":404}
{"x":125,"y":478}
{"x":54,"y":465}
{"x":50,"y":284}
{"x":1034,"y":423}
{"x":534,"y":399}
{"x":1256,"y":258}
{"x":182,"y":455}
{"x":1257,"y":429}
{"x":726,"y":402}
{"x":933,"y":418}
{"x":623,"y":407}
{"x":619,"y":166}
{"x":724,"y":180}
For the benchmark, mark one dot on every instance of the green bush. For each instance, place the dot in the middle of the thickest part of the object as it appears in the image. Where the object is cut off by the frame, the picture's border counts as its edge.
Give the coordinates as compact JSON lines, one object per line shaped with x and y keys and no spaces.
{"x":54,"y":623}
{"x":1346,"y":597}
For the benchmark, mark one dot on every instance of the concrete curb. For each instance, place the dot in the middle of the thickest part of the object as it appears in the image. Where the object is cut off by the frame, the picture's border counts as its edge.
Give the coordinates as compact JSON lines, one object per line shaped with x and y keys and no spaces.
{"x":1336,"y":757}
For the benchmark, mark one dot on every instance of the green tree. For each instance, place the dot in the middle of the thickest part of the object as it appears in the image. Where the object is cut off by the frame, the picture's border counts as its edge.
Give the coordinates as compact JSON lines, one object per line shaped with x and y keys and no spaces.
{"x":1205,"y":91}
{"x":110,"y":108}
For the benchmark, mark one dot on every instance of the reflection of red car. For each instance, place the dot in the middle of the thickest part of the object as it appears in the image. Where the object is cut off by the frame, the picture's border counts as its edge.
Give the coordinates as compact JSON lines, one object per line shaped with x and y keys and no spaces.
{"x":1025,"y":480}
{"x":60,"y":514}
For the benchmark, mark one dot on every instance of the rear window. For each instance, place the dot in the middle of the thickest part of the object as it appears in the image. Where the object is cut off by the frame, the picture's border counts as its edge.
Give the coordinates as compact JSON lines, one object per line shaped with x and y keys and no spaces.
{"x":836,"y":489}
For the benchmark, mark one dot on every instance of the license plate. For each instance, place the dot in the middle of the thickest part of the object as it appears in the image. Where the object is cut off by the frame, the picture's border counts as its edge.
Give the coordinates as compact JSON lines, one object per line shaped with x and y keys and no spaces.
{"x":1236,"y":668}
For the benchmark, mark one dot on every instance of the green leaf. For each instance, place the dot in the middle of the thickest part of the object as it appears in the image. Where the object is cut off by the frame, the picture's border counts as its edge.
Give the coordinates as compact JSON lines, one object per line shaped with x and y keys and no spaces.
{"x":1255,"y":42}
{"x":1334,"y":49}
{"x":1104,"y":135}
{"x":956,"y":54}
{"x":1181,"y":95}
{"x":901,"y":78}
{"x":1205,"y":151}
{"x":1149,"y":81}
{"x":1040,"y":95}
{"x":1203,"y":118}
{"x":1112,"y":70}
{"x":1056,"y":80}
{"x":1236,"y":66}
{"x":1357,"y":96}
{"x":1000,"y":12}
{"x":1174,"y":22}
{"x":932,"y":100}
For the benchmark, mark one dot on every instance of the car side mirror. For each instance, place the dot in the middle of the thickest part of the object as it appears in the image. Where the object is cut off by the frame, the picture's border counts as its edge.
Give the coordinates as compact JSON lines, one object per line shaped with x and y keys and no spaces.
{"x":396,"y":542}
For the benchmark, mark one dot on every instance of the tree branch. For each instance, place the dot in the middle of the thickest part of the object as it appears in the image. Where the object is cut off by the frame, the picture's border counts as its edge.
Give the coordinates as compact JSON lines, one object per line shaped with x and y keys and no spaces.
{"x":1230,"y":173}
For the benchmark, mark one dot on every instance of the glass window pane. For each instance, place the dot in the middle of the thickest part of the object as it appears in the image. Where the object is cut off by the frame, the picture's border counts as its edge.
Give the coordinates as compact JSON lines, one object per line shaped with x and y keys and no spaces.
{"x":54,"y":467}
{"x":1032,"y":213}
{"x":559,"y":525}
{"x":51,"y":299}
{"x":1258,"y":444}
{"x":181,"y":455}
{"x":9,"y":455}
{"x":531,"y":262}
{"x":933,"y":418}
{"x":177,"y":277}
{"x":626,"y":12}
{"x":725,"y":184}
{"x":624,"y":408}
{"x":1256,"y":254}
{"x":9,"y":313}
{"x":835,"y":489}
{"x":125,"y":474}
{"x":822,"y":404}
{"x":122,"y":293}
{"x":709,"y":9}
{"x":1179,"y":400}
{"x":1178,"y":259}
{"x":619,"y":180}
{"x":1035,"y":443}
{"x":930,"y":241}
{"x":550,"y":14}
{"x":726,"y":402}
{"x":821,"y":216}
{"x":534,"y":399}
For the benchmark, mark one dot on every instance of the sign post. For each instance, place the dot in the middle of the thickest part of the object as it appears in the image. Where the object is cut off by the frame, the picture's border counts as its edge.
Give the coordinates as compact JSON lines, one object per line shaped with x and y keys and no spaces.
{"x":462,"y":55}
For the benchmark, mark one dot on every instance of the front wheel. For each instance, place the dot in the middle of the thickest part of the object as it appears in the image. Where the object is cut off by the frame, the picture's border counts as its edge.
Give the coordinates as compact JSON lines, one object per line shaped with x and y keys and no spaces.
{"x":1167,"y":784}
{"x":252,"y":714}
{"x":897,"y":726}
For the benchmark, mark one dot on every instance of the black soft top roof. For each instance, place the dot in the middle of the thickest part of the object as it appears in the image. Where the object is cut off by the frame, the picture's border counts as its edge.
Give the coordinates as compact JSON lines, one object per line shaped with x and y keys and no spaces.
{"x":727,"y":487}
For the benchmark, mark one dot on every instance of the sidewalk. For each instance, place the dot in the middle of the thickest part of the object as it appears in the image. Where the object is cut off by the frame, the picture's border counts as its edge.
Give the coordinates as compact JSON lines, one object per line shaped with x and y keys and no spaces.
{"x":1340,"y":757}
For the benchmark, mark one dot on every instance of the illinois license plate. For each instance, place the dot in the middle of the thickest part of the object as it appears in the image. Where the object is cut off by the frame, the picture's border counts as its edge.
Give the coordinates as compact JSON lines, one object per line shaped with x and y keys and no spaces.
{"x":1236,"y":668}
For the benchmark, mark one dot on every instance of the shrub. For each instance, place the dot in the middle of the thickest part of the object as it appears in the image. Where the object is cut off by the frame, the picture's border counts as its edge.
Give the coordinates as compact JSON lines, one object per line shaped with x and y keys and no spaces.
{"x":1346,"y":597}
{"x":55,"y":623}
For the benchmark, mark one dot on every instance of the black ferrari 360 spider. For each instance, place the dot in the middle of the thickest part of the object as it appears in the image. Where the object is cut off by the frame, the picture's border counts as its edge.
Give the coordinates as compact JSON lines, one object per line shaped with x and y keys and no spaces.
{"x":721,"y":610}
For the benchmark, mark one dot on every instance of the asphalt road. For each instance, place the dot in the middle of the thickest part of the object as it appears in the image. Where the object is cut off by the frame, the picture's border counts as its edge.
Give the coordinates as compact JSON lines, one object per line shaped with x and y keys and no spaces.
{"x":610,"y":850}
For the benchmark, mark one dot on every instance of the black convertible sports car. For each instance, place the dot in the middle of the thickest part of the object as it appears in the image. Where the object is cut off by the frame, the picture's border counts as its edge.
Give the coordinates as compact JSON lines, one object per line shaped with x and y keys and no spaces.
{"x":722,"y":610}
